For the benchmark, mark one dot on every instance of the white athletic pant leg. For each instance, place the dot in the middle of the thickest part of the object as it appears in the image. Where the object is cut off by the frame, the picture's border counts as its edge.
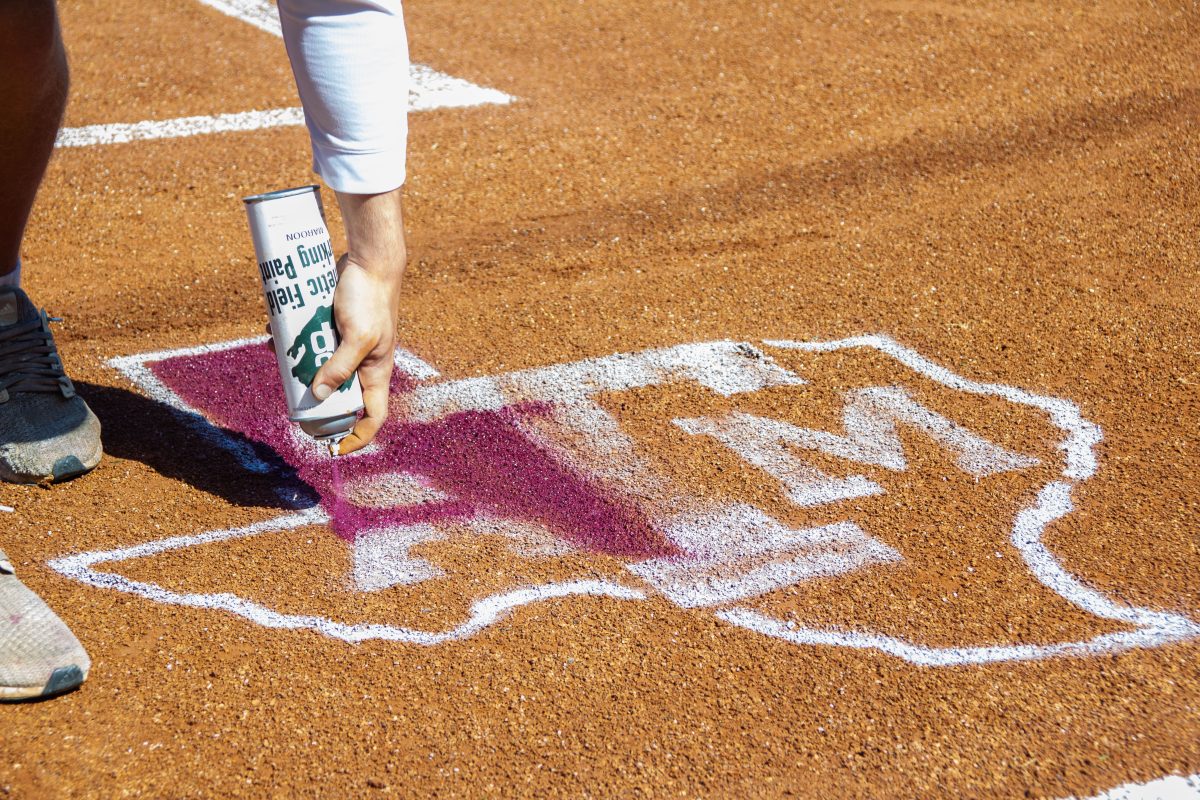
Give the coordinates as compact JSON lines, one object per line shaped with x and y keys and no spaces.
{"x":350,"y":59}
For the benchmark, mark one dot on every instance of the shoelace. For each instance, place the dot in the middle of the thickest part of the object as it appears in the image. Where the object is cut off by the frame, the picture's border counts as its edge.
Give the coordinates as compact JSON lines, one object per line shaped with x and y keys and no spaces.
{"x":29,"y":361}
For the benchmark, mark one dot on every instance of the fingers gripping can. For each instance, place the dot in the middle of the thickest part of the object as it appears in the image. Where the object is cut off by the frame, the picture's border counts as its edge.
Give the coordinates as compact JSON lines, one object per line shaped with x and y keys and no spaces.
{"x":298,"y":272}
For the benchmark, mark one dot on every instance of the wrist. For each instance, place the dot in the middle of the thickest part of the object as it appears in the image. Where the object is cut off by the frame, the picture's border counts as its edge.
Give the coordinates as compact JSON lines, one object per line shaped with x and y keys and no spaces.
{"x":375,"y":232}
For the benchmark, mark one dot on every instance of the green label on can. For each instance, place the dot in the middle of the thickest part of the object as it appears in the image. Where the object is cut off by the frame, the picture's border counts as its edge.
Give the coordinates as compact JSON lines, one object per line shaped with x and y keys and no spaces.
{"x":313,"y":346}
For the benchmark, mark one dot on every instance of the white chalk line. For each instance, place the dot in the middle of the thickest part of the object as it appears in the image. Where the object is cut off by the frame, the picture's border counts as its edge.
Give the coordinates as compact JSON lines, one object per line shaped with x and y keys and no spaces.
{"x":137,"y":370}
{"x":383,"y":558}
{"x":483,"y":613}
{"x":726,"y":367}
{"x":1083,"y":435}
{"x":1154,"y":627}
{"x":259,"y":13}
{"x":428,"y":90}
{"x":1170,"y":787}
{"x":178,"y":128}
{"x":870,"y":418}
{"x":1053,"y":502}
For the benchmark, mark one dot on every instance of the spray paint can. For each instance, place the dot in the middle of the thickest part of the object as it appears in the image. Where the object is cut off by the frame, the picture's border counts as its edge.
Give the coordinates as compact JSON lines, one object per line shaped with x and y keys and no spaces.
{"x":298,"y":272}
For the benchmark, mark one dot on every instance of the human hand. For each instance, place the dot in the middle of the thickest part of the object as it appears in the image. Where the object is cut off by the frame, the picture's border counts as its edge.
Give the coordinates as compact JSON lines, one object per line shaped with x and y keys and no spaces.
{"x":365,"y":307}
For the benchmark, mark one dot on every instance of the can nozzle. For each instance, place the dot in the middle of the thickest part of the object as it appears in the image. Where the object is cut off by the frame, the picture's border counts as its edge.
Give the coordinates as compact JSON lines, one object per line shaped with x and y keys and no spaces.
{"x":330,"y":429}
{"x":334,"y":443}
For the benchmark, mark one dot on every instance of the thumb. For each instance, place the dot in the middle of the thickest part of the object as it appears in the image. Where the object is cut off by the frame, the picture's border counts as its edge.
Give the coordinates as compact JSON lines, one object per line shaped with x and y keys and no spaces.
{"x":340,"y":366}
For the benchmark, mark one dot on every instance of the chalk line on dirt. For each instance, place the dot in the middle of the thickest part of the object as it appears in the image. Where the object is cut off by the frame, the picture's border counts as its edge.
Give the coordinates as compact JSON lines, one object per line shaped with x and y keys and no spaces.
{"x":483,"y":612}
{"x":1170,"y":787}
{"x":428,"y":90}
{"x":1053,"y":502}
{"x":259,"y":13}
{"x":870,"y":417}
{"x":727,"y":368}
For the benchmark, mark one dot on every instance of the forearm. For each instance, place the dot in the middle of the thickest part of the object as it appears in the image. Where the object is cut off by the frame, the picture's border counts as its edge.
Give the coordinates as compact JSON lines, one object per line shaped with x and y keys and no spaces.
{"x":375,"y":234}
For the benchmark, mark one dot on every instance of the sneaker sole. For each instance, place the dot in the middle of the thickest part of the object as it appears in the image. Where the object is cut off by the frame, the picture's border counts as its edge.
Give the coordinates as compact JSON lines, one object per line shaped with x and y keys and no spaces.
{"x":62,"y":680}
{"x":70,"y":467}
{"x":65,"y":469}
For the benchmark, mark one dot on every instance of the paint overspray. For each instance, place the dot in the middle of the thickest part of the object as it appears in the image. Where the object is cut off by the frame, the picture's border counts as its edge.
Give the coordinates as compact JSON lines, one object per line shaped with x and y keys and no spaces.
{"x":473,"y":463}
{"x":343,"y":515}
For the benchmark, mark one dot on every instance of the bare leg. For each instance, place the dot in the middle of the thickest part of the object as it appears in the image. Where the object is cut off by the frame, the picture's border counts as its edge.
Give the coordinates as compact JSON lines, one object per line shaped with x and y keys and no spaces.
{"x":39,"y":656}
{"x":33,"y":94}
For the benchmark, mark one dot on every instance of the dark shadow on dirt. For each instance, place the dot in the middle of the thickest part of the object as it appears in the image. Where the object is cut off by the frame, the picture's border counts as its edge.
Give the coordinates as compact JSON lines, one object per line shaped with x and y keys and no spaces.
{"x":171,"y":443}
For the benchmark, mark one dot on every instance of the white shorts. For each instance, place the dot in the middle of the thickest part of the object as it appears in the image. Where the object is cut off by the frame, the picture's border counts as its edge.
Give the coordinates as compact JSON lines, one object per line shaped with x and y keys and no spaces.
{"x":350,"y":59}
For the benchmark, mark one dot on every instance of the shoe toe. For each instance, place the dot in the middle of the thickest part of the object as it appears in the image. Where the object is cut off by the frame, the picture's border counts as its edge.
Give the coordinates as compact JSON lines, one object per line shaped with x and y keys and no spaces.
{"x":47,"y":438}
{"x":39,"y":656}
{"x":64,"y":679}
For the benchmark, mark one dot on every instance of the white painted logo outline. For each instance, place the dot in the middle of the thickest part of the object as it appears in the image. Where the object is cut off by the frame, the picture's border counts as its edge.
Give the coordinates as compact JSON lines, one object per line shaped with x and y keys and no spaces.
{"x":1152,"y":628}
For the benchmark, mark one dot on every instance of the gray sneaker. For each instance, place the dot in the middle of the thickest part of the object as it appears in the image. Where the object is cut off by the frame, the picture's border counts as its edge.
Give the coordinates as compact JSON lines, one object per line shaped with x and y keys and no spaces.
{"x":47,"y":432}
{"x":39,"y":656}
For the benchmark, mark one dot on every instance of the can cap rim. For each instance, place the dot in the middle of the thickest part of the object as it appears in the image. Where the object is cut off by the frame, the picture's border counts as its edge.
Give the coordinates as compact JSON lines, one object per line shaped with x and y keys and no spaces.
{"x":258,"y":198}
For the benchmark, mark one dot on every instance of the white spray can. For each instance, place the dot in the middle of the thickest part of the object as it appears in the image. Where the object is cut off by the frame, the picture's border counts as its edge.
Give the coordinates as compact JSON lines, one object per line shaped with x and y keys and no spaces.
{"x":298,"y":272}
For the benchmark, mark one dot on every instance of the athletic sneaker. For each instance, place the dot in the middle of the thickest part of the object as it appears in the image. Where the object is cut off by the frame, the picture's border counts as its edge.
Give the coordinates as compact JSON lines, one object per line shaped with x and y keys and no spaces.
{"x":39,"y":656}
{"x":47,"y":432}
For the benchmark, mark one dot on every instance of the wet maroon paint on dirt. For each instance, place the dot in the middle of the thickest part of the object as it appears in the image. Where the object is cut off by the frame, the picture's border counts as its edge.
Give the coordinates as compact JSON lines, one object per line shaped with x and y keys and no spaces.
{"x":480,"y":459}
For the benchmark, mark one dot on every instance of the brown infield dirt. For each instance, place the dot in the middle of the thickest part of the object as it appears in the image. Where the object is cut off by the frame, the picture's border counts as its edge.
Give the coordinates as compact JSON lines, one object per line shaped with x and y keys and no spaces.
{"x":1010,"y":189}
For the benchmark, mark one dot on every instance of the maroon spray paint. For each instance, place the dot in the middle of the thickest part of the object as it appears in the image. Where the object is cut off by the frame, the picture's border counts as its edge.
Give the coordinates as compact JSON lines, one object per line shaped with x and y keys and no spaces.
{"x":480,"y":459}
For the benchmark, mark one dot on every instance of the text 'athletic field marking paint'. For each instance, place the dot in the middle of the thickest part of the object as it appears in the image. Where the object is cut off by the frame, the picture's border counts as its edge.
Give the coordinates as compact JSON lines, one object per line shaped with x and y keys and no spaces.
{"x":299,"y":274}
